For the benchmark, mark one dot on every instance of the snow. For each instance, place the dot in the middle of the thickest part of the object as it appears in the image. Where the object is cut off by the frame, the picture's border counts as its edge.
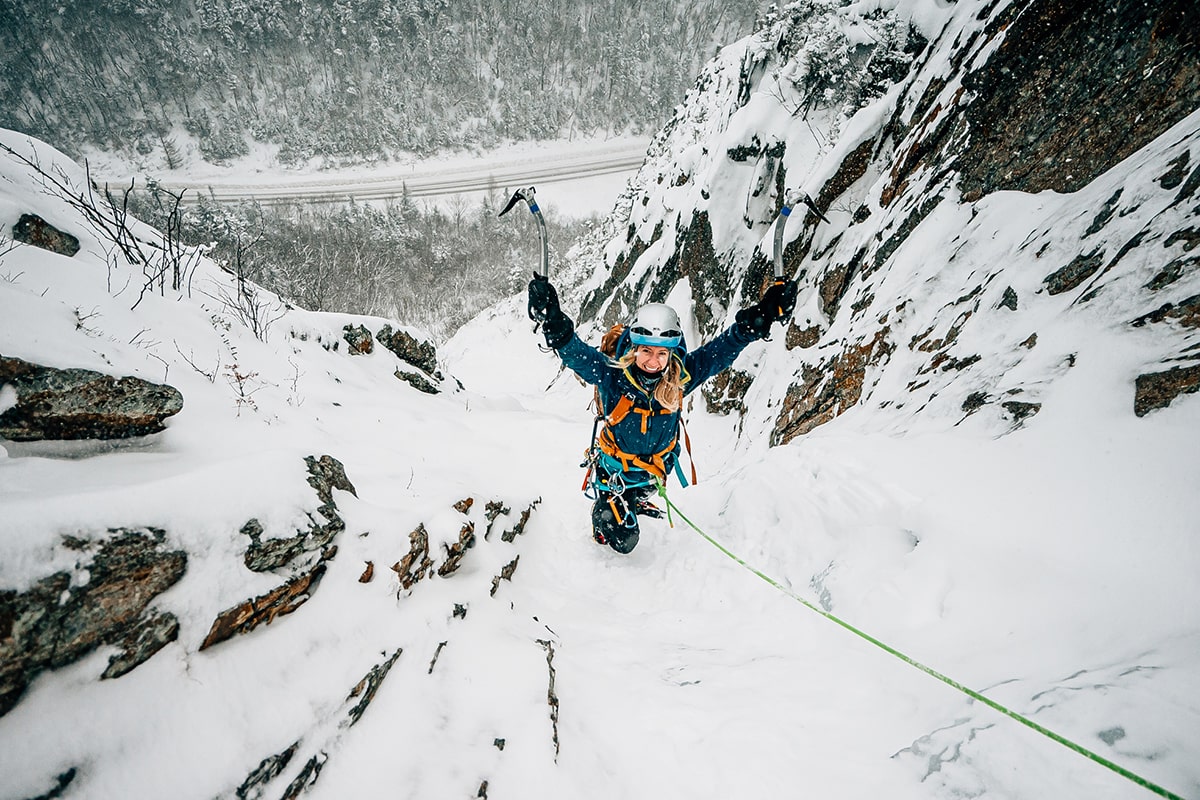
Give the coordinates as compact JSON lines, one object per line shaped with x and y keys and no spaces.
{"x":579,"y":196}
{"x":1052,"y":568}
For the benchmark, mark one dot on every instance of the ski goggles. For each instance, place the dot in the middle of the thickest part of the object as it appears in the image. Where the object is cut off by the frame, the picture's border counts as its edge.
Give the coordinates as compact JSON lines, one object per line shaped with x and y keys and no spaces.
{"x":649,"y":338}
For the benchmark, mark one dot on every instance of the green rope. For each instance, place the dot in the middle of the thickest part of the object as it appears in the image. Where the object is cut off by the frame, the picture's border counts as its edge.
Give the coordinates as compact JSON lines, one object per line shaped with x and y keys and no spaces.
{"x":1099,"y":759}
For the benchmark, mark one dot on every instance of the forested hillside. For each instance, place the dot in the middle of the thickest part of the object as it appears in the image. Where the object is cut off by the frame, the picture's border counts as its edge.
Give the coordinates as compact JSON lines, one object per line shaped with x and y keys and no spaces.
{"x":348,"y":80}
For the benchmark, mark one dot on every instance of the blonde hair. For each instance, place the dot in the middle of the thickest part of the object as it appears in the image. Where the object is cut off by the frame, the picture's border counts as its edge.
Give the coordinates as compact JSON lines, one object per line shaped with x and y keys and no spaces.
{"x":669,"y":391}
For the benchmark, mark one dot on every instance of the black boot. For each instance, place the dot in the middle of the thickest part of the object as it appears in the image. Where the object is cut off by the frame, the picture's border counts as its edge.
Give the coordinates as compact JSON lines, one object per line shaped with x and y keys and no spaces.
{"x":622,"y":535}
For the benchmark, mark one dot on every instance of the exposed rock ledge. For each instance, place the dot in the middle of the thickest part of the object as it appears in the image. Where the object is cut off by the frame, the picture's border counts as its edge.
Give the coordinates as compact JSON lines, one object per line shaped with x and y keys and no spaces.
{"x":61,"y":404}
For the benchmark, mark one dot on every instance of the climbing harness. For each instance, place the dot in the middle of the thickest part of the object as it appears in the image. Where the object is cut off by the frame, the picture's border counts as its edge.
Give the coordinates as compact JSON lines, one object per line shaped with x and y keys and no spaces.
{"x":1060,"y":739}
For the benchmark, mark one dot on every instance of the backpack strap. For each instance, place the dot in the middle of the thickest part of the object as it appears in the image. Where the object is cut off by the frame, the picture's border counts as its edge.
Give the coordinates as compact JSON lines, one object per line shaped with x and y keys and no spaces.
{"x":623,"y":407}
{"x":687,"y":441}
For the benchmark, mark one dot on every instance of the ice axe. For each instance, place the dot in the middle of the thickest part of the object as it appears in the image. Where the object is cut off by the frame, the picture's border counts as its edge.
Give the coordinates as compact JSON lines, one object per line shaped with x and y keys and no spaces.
{"x":790,"y":198}
{"x":527,"y":196}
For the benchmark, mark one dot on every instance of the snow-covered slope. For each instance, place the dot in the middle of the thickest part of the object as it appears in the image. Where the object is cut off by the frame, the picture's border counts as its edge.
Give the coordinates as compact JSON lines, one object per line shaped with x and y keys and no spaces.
{"x":1043,"y":556}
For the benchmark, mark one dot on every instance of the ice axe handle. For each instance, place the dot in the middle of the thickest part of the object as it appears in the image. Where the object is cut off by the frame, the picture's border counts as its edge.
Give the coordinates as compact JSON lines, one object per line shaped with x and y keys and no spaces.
{"x":784,"y":213}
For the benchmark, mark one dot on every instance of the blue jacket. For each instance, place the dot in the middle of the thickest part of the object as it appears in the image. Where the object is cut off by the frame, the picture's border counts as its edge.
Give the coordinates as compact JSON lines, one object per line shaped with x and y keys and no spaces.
{"x":651,"y":429}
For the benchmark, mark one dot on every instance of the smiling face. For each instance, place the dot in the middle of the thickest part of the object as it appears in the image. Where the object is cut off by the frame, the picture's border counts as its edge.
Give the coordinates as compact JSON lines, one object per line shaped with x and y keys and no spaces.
{"x":652,"y":360}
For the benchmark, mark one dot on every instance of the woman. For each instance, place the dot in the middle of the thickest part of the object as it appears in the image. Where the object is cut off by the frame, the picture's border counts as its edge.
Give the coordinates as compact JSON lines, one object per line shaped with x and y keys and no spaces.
{"x":641,"y":394}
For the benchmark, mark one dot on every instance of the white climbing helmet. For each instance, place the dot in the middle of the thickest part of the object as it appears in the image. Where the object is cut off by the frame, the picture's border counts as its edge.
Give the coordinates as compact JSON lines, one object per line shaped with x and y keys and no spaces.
{"x":656,"y":325}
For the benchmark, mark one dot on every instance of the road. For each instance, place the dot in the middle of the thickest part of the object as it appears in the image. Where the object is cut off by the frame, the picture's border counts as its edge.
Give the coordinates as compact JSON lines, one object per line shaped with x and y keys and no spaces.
{"x":512,"y":169}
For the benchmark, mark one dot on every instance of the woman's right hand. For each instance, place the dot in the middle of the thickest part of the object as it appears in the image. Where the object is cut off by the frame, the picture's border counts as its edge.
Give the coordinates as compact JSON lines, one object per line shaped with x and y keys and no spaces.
{"x":544,"y":309}
{"x":543,"y":299}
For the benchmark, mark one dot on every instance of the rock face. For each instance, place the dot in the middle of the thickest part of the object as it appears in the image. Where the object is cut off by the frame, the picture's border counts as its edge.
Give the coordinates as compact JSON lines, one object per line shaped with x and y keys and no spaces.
{"x":60,"y":619}
{"x":421,"y":355}
{"x":58,"y":404}
{"x":324,"y":474}
{"x":316,"y":543}
{"x":32,"y":229}
{"x":264,"y":609}
{"x":358,"y":339}
{"x":1157,"y":389}
{"x":1006,"y":97}
{"x":1075,"y":88}
{"x":417,"y":381}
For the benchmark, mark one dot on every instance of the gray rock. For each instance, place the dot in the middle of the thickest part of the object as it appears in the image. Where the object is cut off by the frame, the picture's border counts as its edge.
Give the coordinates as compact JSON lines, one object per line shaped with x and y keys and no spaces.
{"x":1186,"y":312}
{"x":143,"y":642}
{"x":421,"y":355}
{"x":62,"y":404}
{"x":1021,"y":411}
{"x":1072,"y":275}
{"x":417,"y":382}
{"x":57,"y":621}
{"x":268,"y":769}
{"x":359,"y":339}
{"x":325,"y":474}
{"x":32,"y":229}
{"x":365,"y":691}
{"x":1158,"y":389}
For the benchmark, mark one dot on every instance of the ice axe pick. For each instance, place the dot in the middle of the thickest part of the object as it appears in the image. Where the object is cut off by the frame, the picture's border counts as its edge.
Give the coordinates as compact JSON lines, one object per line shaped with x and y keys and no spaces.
{"x":527,"y":196}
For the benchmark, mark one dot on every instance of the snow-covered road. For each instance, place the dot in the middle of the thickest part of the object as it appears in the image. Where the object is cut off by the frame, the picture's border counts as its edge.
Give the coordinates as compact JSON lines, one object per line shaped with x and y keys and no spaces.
{"x":555,"y":162}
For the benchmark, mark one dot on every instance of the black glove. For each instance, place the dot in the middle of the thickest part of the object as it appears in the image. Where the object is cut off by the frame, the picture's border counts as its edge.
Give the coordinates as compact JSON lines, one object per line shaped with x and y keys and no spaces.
{"x":543,"y":307}
{"x":543,"y":299}
{"x":776,"y":305}
{"x":780,"y":297}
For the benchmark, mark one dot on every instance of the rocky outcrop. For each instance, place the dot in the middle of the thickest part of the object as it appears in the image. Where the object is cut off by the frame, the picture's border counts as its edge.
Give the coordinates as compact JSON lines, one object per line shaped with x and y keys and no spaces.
{"x":696,"y":261}
{"x":416,"y":563}
{"x":516,"y":530}
{"x":421,"y":355}
{"x":1074,"y":89}
{"x":607,"y":297}
{"x":257,"y":784}
{"x":358,"y":340}
{"x":1052,"y":107}
{"x":263,"y":555}
{"x":64,"y":617}
{"x":506,"y":574}
{"x":456,"y":551}
{"x":267,"y":770}
{"x":1074,"y":274}
{"x":265,"y":608}
{"x":830,"y":389}
{"x":727,"y":392}
{"x":417,"y":381}
{"x":32,"y":229}
{"x":141,"y":642}
{"x":324,"y":474}
{"x":307,"y":777}
{"x":1186,"y":313}
{"x":364,"y":691}
{"x":1156,"y":390}
{"x":60,"y":404}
